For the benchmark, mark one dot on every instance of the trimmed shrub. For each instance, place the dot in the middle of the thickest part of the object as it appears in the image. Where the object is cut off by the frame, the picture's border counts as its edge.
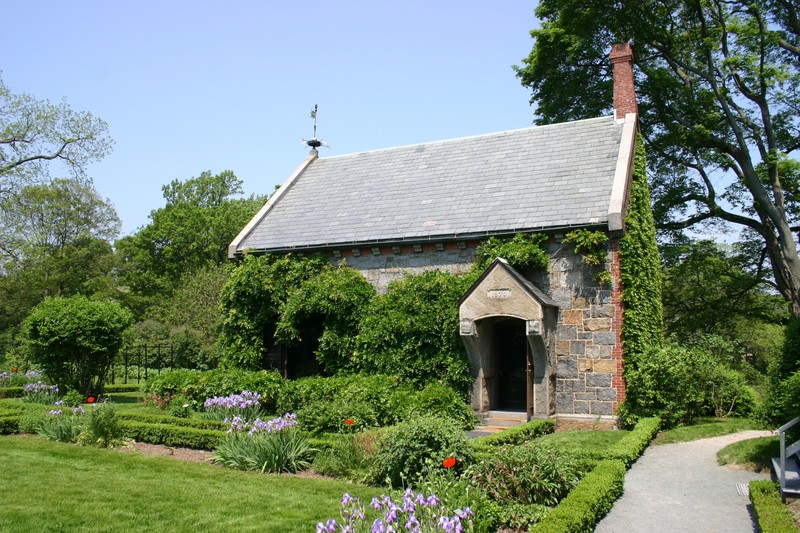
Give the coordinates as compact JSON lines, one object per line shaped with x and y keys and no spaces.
{"x":170,"y":420}
{"x":526,"y":474}
{"x":406,"y":449}
{"x":74,"y":340}
{"x":772,"y":515}
{"x":9,"y":424}
{"x":172,"y":435}
{"x":12,"y":392}
{"x":632,"y":445}
{"x":521,"y":434}
{"x":591,"y":499}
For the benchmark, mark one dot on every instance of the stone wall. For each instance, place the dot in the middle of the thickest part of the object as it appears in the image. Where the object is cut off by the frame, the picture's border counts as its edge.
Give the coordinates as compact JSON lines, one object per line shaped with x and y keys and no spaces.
{"x":588,"y":342}
{"x":382,"y":265}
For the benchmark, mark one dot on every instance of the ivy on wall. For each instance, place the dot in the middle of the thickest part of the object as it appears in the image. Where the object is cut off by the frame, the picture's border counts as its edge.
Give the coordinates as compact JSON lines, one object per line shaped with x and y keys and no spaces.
{"x":412,"y":331}
{"x":252,"y":302}
{"x":523,"y":251}
{"x":336,"y":298}
{"x":591,"y":245}
{"x":640,"y":266}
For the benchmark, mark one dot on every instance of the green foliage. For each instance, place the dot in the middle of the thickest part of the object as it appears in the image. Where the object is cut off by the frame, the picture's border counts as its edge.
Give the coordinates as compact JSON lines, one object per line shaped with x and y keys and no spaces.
{"x":12,"y":392}
{"x":199,"y":386}
{"x":640,"y":270}
{"x":405,"y":450}
{"x":252,"y":300}
{"x":788,"y":362}
{"x":526,"y":474}
{"x":591,"y":246}
{"x":189,"y":320}
{"x":62,"y":427}
{"x":457,"y":492}
{"x":412,"y":332}
{"x":191,"y":232}
{"x":632,"y":445}
{"x":9,"y":424}
{"x":694,"y":130}
{"x":521,"y":434}
{"x":772,"y":515}
{"x":591,"y":499}
{"x":325,"y":403}
{"x":287,"y":450}
{"x":102,"y":428}
{"x":679,"y":384}
{"x":336,"y":298}
{"x":524,"y":251}
{"x":72,"y":398}
{"x":783,"y":403}
{"x":349,"y":457}
{"x":171,"y":434}
{"x":74,"y":340}
{"x":437,"y":399}
{"x":56,"y":242}
{"x":29,"y":421}
{"x":34,"y":133}
{"x":709,"y":290}
{"x":196,"y":423}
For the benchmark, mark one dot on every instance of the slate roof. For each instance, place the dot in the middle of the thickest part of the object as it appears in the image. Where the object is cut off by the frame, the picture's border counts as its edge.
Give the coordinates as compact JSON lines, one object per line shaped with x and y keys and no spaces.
{"x":556,"y":176}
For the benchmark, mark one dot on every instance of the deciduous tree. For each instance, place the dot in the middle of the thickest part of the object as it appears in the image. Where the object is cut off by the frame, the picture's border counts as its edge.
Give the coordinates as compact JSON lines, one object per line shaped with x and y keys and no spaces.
{"x":719,"y":99}
{"x":35,"y":134}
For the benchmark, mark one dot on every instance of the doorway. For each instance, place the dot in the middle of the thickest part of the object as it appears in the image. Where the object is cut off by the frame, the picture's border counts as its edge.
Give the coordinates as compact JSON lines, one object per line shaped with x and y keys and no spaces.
{"x":511,"y":365}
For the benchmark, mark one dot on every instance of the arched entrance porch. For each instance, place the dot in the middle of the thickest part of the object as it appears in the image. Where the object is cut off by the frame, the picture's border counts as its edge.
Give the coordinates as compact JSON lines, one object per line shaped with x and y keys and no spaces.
{"x":507,"y":326}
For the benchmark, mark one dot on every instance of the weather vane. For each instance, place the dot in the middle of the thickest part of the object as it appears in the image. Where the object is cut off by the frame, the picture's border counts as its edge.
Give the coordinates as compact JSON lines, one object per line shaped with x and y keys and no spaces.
{"x":314,"y":143}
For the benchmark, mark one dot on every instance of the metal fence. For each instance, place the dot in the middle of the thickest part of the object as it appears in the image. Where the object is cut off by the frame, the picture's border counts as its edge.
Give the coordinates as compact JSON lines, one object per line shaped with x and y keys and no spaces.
{"x":135,"y":366}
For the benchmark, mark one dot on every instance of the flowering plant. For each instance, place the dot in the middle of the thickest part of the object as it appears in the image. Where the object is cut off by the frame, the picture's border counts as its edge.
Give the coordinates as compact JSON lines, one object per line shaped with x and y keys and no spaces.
{"x":60,"y":426}
{"x":239,"y":424}
{"x":39,"y":392}
{"x":415,"y":513}
{"x":246,"y":405}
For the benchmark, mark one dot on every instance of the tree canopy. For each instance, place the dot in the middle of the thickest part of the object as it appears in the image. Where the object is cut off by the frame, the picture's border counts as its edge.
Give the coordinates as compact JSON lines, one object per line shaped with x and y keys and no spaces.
{"x":718,"y":85}
{"x":192,"y":231}
{"x":55,"y":240}
{"x":34,"y":134}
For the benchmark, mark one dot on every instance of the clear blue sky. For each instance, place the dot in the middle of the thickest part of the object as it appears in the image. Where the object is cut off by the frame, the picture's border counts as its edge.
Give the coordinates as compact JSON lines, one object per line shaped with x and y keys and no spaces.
{"x":188,"y":86}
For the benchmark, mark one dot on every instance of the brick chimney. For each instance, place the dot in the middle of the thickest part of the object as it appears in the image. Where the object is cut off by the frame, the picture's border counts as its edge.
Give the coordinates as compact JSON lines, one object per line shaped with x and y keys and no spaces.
{"x":624,"y":91}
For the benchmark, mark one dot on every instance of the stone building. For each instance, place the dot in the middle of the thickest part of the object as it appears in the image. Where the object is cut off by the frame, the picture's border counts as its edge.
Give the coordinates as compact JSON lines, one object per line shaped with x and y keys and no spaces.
{"x":546,"y":344}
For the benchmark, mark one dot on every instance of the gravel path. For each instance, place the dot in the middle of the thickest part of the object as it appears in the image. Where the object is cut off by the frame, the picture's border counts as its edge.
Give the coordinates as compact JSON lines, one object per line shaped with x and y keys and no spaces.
{"x":681,"y":488}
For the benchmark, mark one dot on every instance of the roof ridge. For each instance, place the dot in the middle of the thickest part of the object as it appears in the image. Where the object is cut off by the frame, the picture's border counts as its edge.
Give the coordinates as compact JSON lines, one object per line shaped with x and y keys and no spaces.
{"x":469,"y":137}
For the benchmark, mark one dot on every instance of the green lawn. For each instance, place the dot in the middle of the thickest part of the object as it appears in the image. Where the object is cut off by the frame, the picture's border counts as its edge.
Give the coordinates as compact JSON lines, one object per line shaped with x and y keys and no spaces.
{"x":583,"y":443}
{"x":706,"y":428}
{"x":47,"y":486}
{"x":753,"y":454}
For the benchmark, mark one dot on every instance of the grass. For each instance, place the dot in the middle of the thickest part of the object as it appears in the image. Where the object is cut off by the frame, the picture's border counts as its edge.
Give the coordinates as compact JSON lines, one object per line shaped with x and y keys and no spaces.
{"x":583,"y":443}
{"x":105,"y":490}
{"x":753,"y":454}
{"x":705,"y":428}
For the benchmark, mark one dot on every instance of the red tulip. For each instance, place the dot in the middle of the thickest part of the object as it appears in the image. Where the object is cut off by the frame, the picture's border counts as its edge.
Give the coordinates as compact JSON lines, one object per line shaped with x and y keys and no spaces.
{"x":450,"y":462}
{"x":349,"y":422}
{"x":90,"y":399}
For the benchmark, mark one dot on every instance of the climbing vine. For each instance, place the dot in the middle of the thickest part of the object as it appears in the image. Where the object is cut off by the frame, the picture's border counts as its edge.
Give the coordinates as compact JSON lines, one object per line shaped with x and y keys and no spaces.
{"x":336,"y":298}
{"x":523,"y":251}
{"x":252,"y":301}
{"x":591,"y":246}
{"x":640,"y":267}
